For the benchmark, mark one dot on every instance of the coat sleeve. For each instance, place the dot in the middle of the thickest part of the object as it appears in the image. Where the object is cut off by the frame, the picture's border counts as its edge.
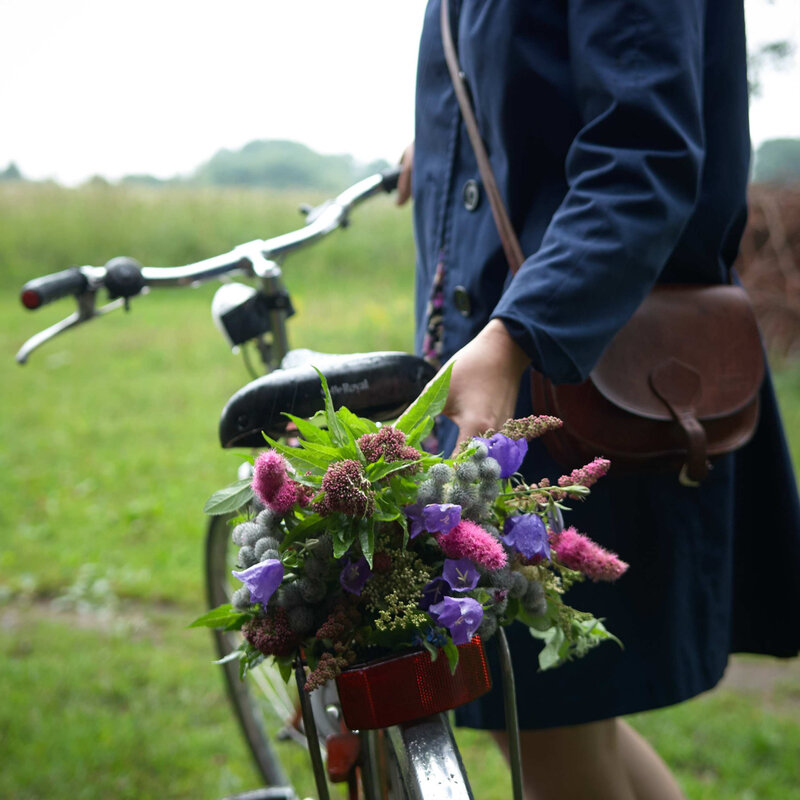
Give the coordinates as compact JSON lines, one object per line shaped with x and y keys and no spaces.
{"x":633,"y":175}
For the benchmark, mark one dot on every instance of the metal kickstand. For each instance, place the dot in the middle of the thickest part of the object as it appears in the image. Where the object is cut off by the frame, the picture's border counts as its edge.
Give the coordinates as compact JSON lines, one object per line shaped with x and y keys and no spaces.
{"x":512,"y":720}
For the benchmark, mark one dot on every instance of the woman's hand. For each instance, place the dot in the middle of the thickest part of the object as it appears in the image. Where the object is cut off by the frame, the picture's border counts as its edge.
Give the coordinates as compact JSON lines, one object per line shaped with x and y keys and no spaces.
{"x":404,"y":181}
{"x":485,"y":381}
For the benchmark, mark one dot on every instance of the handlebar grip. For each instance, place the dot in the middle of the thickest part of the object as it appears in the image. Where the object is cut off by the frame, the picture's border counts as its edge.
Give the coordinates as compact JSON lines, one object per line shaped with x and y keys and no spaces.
{"x":390,"y":177}
{"x":41,"y":291}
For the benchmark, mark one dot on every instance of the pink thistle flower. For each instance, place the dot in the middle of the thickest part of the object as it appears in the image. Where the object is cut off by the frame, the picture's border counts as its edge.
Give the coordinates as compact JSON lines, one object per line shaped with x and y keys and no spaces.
{"x":579,"y":552}
{"x":587,"y":475}
{"x":269,"y":475}
{"x":286,"y":497}
{"x":469,"y":540}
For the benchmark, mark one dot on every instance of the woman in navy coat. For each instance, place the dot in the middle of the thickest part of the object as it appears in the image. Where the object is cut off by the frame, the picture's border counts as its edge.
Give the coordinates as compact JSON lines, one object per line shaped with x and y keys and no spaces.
{"x":618,"y":134}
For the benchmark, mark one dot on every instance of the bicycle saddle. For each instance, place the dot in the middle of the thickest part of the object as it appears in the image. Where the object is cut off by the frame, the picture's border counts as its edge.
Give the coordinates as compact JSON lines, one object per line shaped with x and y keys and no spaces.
{"x":374,"y":385}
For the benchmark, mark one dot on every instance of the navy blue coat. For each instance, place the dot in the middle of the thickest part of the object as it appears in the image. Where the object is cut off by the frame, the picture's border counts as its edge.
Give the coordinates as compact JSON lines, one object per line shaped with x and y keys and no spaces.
{"x":618,"y":135}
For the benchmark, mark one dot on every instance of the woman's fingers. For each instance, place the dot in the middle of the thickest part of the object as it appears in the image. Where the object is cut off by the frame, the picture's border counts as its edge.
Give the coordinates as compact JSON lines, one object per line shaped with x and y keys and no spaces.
{"x":404,"y":181}
{"x":485,"y":381}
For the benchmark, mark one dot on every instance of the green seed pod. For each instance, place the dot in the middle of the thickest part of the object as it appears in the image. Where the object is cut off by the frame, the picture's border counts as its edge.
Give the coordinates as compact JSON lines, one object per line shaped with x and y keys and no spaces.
{"x":440,"y":474}
{"x":467,"y":472}
{"x":241,"y":599}
{"x":247,"y":557}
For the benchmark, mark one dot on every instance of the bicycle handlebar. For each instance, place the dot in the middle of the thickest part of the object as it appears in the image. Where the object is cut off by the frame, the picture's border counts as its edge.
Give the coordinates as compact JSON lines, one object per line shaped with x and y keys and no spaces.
{"x":125,"y":278}
{"x":252,"y":258}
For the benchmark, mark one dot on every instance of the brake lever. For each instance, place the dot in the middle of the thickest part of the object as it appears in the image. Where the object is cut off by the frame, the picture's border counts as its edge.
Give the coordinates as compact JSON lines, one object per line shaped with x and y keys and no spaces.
{"x":312,"y":213}
{"x":86,"y":311}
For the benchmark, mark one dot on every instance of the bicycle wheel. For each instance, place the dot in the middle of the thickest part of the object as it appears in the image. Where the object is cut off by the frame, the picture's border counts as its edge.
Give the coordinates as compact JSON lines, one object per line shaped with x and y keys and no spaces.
{"x":414,"y":761}
{"x":267,"y":709}
{"x":257,"y":717}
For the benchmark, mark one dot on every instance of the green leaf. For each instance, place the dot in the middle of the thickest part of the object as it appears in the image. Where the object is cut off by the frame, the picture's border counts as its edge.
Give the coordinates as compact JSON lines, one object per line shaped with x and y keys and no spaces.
{"x":300,"y":459}
{"x":594,"y":630}
{"x":335,"y":427}
{"x":285,"y":668}
{"x":366,"y":538}
{"x":386,"y":516}
{"x":326,"y":451}
{"x":234,"y":655}
{"x":229,"y":499}
{"x":250,"y":658}
{"x":220,"y":617}
{"x":343,"y":538}
{"x":402,"y":521}
{"x":358,"y":426}
{"x":428,"y":404}
{"x":433,"y":650}
{"x":451,"y":652}
{"x":550,"y":655}
{"x":308,"y":430}
{"x":380,"y":469}
{"x":313,"y":523}
{"x":421,"y":430}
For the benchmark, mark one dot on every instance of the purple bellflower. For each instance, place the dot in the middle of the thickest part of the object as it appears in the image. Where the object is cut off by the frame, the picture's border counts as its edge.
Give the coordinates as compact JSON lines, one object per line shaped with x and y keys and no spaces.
{"x":461,"y":574}
{"x":433,"y":593}
{"x":435,"y":518}
{"x":460,"y":615}
{"x":441,"y":517}
{"x":508,"y":453}
{"x":262,"y":579}
{"x":354,"y":575}
{"x":527,"y":534}
{"x":414,"y":514}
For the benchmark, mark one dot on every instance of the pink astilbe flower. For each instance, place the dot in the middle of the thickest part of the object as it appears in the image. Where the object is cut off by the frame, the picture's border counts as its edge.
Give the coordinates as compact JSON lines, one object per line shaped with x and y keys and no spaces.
{"x":588,"y":475}
{"x":347,"y":489}
{"x":391,"y":444}
{"x":469,"y":540}
{"x":271,"y":635}
{"x":579,"y":552}
{"x":269,"y":475}
{"x":530,"y":427}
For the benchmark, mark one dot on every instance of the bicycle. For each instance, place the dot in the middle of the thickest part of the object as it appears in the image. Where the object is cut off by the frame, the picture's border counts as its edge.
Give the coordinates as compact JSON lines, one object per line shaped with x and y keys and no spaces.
{"x":418,"y":759}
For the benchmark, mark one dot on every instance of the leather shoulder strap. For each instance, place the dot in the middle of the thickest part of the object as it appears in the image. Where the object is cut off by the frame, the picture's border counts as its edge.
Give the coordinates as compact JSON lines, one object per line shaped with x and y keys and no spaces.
{"x":508,"y":237}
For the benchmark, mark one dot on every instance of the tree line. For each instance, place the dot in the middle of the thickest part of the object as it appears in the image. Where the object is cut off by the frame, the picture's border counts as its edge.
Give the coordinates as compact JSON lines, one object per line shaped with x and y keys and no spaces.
{"x":281,"y":164}
{"x":270,"y":163}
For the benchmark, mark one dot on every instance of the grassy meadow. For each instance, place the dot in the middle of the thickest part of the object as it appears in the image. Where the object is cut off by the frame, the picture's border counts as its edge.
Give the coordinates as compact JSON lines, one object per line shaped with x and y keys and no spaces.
{"x":108,"y":452}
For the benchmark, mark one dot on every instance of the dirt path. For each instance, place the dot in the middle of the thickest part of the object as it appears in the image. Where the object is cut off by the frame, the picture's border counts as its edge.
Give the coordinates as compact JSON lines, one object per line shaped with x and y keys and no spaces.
{"x":776,"y":682}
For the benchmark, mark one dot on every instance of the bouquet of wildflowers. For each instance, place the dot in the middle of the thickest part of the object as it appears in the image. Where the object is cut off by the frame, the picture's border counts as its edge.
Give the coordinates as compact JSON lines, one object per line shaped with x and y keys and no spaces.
{"x":359,"y":544}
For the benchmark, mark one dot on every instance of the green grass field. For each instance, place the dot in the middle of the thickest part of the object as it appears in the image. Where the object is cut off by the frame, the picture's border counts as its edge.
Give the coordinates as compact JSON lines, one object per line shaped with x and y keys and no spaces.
{"x":108,"y":453}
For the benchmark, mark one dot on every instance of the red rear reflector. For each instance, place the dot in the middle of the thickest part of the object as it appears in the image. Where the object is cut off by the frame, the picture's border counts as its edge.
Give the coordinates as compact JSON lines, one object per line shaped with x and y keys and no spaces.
{"x":31,"y":299}
{"x":402,"y":688}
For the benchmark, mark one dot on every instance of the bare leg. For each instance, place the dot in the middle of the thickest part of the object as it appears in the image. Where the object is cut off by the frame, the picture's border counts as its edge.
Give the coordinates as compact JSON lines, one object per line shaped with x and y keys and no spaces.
{"x":649,"y":775}
{"x":573,"y":763}
{"x":604,"y":760}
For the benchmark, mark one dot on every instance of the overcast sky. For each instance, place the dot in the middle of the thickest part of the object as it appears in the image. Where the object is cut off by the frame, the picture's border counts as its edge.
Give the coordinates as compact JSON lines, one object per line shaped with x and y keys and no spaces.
{"x":157,"y":86}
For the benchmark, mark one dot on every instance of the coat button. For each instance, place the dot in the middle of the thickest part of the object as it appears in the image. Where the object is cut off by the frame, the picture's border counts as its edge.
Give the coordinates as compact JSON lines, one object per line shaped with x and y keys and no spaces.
{"x":471,"y":195}
{"x":461,"y":301}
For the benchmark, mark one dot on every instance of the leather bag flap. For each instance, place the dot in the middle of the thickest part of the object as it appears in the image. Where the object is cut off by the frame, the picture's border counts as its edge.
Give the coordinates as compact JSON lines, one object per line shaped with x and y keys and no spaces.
{"x":710,"y":329}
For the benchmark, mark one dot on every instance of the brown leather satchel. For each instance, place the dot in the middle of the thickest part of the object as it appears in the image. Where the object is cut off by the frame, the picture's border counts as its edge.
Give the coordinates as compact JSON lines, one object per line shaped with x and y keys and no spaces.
{"x":677,"y":384}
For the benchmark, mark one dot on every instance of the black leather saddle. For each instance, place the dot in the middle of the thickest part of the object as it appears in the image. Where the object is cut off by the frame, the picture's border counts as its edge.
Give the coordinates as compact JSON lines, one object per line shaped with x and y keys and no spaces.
{"x":374,"y":385}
